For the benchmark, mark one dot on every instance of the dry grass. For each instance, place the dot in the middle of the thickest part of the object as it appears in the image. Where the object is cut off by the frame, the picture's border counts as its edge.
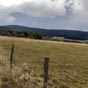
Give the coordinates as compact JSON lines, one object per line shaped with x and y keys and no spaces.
{"x":68,"y":66}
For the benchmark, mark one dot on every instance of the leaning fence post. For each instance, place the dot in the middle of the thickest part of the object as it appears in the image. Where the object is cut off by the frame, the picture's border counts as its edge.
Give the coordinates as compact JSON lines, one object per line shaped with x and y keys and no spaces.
{"x":11,"y":57}
{"x":46,"y":66}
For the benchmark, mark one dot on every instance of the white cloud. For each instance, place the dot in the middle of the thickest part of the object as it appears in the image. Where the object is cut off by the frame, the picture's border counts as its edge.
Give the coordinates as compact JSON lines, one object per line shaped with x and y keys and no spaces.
{"x":12,"y":2}
{"x":76,"y":11}
{"x":5,"y":15}
{"x":43,"y":8}
{"x":37,"y":8}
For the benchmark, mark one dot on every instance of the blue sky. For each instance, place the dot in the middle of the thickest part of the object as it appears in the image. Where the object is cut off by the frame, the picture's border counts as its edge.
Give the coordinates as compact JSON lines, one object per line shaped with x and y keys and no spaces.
{"x":56,"y":14}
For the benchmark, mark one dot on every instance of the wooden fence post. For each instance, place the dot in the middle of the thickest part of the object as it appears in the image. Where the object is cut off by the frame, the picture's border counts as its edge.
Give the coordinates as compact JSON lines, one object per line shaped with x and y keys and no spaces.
{"x":11,"y":57}
{"x":46,"y":66}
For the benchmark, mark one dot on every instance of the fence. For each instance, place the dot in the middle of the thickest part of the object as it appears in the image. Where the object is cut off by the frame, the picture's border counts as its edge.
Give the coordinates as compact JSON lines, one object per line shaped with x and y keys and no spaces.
{"x":46,"y":66}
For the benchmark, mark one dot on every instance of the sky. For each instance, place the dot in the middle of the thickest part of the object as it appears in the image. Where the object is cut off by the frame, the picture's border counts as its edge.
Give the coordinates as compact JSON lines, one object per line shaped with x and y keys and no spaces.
{"x":51,"y":14}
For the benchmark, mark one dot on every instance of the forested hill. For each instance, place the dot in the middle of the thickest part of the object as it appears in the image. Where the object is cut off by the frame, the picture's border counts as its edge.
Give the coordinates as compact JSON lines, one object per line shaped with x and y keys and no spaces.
{"x":68,"y":34}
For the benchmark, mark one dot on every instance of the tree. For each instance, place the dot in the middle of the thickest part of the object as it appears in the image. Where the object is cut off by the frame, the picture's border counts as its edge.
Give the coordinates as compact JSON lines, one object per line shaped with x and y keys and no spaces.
{"x":36,"y":36}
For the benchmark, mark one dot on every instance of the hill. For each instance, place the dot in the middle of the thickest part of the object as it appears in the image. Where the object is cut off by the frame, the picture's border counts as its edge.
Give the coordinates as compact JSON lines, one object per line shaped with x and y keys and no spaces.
{"x":68,"y":66}
{"x":68,"y":34}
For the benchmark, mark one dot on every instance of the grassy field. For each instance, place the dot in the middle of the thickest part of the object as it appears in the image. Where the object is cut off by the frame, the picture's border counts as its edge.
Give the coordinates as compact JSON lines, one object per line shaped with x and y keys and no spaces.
{"x":68,"y":67}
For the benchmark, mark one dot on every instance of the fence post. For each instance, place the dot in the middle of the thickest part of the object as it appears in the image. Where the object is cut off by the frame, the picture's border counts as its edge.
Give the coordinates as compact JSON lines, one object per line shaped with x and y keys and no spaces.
{"x":46,"y":66}
{"x":11,"y":57}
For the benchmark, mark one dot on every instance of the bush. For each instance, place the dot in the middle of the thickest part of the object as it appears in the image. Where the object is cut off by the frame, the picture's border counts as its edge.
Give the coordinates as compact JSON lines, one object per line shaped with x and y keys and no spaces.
{"x":36,"y":36}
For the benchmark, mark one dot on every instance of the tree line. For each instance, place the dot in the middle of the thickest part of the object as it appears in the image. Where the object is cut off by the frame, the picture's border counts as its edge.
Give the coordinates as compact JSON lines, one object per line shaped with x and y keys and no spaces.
{"x":15,"y":33}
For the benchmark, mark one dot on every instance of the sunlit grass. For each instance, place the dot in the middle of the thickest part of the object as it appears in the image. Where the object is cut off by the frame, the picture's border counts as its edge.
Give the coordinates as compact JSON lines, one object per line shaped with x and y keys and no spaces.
{"x":68,"y":62}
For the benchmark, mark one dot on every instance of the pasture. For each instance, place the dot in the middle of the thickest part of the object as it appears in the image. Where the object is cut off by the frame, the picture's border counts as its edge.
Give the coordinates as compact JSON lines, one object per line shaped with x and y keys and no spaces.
{"x":68,"y":66}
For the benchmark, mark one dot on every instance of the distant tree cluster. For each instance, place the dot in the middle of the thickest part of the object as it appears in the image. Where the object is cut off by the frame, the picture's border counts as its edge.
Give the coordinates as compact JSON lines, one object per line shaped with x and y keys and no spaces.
{"x":33,"y":35}
{"x":37,"y":33}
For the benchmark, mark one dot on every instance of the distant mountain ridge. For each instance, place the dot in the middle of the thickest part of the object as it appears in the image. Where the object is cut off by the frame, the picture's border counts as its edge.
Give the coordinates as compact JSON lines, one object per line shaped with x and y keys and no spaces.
{"x":68,"y":34}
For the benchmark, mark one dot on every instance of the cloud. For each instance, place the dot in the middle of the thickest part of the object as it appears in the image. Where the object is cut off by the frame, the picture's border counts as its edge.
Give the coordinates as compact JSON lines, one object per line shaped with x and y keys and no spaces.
{"x":36,"y":8}
{"x":12,"y":2}
{"x":5,"y":16}
{"x":68,"y":13}
{"x":42,"y":8}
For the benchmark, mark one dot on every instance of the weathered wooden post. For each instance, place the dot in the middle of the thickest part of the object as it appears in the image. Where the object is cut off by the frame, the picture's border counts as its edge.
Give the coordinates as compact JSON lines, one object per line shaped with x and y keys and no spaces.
{"x":11,"y":57}
{"x":46,"y":66}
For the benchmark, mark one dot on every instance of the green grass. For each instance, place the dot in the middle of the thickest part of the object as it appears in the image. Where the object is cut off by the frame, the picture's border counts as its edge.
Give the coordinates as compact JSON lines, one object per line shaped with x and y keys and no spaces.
{"x":68,"y":67}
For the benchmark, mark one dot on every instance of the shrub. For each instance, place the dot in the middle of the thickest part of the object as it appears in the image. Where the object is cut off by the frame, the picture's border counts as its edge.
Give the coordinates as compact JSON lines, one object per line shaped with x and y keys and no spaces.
{"x":36,"y":36}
